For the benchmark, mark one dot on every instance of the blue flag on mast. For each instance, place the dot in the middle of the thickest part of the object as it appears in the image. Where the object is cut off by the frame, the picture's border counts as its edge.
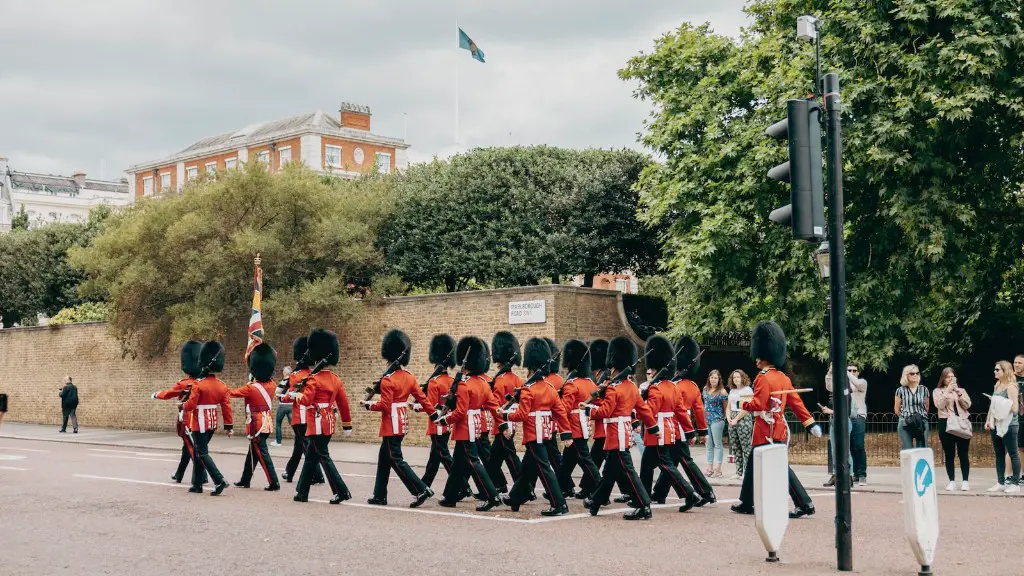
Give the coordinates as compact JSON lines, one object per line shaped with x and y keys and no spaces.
{"x":466,"y":43}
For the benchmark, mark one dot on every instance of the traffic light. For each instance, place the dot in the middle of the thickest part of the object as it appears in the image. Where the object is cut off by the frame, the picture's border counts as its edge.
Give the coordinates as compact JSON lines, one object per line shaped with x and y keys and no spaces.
{"x":806,"y":210}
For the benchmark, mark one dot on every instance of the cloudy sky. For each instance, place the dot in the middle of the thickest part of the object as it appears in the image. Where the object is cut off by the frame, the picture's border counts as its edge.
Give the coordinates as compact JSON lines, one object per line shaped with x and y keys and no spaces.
{"x":103,"y":85}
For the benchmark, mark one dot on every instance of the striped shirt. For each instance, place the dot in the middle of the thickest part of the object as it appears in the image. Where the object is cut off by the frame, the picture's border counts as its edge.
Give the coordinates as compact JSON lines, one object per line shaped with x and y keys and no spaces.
{"x":913,"y":402}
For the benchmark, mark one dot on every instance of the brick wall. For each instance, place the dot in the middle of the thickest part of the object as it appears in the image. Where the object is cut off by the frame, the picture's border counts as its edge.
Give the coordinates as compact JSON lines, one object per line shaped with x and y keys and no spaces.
{"x":114,"y":392}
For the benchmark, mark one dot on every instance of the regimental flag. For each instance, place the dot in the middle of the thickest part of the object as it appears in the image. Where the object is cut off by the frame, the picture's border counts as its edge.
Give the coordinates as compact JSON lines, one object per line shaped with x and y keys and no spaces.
{"x":468,"y":44}
{"x":256,"y":318}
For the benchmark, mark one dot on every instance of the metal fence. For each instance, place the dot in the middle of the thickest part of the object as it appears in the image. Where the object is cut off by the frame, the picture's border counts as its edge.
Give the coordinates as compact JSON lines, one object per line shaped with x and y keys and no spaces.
{"x":882,"y":442}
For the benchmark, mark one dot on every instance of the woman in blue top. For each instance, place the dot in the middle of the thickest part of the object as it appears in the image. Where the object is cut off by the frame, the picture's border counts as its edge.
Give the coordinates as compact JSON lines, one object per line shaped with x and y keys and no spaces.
{"x":715,"y":397}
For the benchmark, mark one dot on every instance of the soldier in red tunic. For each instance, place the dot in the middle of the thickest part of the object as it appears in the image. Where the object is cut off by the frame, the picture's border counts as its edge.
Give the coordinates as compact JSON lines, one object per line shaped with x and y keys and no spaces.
{"x":621,"y":399}
{"x":190,"y":366}
{"x":768,"y":350}
{"x":442,"y":355}
{"x":577,"y":390}
{"x":540,"y":410}
{"x":207,"y":395}
{"x":298,"y":420}
{"x":396,"y":386}
{"x":322,"y":392}
{"x":556,"y":382}
{"x":505,"y":353}
{"x":259,"y":420}
{"x":598,"y":357}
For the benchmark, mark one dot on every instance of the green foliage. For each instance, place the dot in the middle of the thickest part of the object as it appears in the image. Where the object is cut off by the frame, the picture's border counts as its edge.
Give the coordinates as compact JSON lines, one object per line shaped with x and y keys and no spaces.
{"x":85,"y":312}
{"x":181,"y":266}
{"x":519,"y":215}
{"x":20,"y":220}
{"x":35,"y":274}
{"x":933,"y":128}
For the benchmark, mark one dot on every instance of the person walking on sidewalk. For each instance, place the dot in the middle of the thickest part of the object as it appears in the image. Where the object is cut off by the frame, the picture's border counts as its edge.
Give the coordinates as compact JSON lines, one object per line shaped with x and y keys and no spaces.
{"x":912,"y":406}
{"x":1005,"y":429}
{"x":741,"y":423}
{"x":284,"y":409}
{"x":951,"y":401}
{"x":715,"y":398}
{"x":69,"y":404}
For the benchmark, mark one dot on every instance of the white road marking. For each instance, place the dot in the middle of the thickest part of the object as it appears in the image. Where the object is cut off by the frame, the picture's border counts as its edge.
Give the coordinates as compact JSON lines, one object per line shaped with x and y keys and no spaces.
{"x":22,"y":449}
{"x":132,"y":480}
{"x":135,"y":458}
{"x":14,"y":468}
{"x":151,"y":454}
{"x":12,"y":457}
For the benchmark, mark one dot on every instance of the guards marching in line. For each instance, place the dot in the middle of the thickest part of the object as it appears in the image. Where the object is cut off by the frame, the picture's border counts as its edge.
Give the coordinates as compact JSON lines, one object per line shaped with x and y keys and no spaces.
{"x":577,"y":390}
{"x":200,"y":404}
{"x":506,"y":355}
{"x":442,"y":356}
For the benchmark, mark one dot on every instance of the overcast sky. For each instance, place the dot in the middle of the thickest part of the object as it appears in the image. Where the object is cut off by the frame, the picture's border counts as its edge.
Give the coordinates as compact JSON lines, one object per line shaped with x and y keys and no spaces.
{"x":103,"y":85}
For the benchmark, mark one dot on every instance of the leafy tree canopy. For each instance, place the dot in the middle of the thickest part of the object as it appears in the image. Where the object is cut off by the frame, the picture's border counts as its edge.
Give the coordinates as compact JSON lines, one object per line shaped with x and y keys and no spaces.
{"x":180,"y":266}
{"x":933,"y":128}
{"x":515,"y":216}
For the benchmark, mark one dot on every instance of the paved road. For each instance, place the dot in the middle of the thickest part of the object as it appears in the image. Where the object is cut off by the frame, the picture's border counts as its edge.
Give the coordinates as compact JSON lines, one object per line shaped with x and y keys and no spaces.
{"x":87,"y":509}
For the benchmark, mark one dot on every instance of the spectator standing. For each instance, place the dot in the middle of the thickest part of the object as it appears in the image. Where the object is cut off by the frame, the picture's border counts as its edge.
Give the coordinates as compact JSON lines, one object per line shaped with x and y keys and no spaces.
{"x":715,"y":399}
{"x":741,"y":423}
{"x":951,"y":401}
{"x":1018,"y":370}
{"x":69,"y":404}
{"x":912,"y":406}
{"x":858,"y":424}
{"x":284,"y":409}
{"x":1005,"y":429}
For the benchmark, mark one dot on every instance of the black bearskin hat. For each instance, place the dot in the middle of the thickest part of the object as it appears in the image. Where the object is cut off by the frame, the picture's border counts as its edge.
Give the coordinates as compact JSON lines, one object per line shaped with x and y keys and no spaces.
{"x":686,"y":350}
{"x":505,"y":349}
{"x":211,"y":357}
{"x":472,"y":353}
{"x":299,"y":349}
{"x":190,"y":352}
{"x":621,"y":353}
{"x":659,"y":352}
{"x":576,"y":356}
{"x":261,"y":362}
{"x":396,"y":347}
{"x":768,"y":343}
{"x":323,"y":344}
{"x":536,"y":355}
{"x":553,"y":366}
{"x":442,"y":350}
{"x":599,"y":354}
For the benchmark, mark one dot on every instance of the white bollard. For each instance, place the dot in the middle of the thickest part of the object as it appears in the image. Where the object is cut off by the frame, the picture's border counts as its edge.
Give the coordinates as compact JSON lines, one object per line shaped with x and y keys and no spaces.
{"x":771,"y":496}
{"x":920,"y":504}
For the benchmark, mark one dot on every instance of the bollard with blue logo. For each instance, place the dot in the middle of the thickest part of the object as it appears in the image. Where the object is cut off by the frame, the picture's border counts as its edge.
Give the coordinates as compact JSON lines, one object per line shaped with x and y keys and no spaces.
{"x":920,"y":504}
{"x":771,"y":496}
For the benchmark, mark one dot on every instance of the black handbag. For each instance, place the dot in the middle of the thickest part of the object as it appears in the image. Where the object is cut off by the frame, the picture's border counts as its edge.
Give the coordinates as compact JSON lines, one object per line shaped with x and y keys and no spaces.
{"x":914,"y":424}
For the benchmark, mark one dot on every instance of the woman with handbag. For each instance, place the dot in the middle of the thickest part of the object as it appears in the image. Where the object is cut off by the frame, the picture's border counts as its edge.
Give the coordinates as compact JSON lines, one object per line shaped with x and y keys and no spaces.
{"x":912,"y":406}
{"x":1004,"y":427}
{"x":952,"y":403}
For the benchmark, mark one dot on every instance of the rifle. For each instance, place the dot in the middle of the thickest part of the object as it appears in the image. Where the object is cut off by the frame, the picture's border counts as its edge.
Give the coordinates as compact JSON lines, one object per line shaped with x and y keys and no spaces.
{"x":187,"y":392}
{"x":301,"y":384}
{"x":438,"y":370}
{"x":375,"y":389}
{"x":448,"y":401}
{"x":602,"y":388}
{"x":690,"y":365}
{"x":512,"y":398}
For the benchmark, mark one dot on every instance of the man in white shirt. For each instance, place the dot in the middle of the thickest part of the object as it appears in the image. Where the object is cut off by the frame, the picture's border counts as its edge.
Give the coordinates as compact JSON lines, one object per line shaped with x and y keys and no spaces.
{"x":858,"y":421}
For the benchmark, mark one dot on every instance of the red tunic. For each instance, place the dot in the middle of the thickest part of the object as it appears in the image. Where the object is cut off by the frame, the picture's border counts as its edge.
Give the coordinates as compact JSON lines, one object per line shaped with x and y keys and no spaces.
{"x":663,"y":401}
{"x":258,"y":417}
{"x":769,"y":411}
{"x":395,"y":389}
{"x":298,"y":412}
{"x":201,"y":408}
{"x":540,"y":410}
{"x":173,"y":393}
{"x":504,"y":385}
{"x":689,"y":395}
{"x":321,"y":391}
{"x":574,"y":392}
{"x":436,"y":387}
{"x":472,"y":398}
{"x":598,"y":422}
{"x":620,"y":400}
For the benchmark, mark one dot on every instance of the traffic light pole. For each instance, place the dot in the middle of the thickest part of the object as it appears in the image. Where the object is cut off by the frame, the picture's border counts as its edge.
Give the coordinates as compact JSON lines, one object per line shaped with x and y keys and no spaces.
{"x":837,"y":288}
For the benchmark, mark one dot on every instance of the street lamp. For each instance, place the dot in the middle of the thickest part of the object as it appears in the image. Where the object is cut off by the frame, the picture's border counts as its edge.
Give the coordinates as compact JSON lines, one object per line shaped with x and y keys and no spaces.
{"x":821,"y":258}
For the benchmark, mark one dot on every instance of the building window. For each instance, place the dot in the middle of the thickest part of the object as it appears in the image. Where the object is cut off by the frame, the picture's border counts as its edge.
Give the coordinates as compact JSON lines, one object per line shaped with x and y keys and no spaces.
{"x":264,"y":157}
{"x":621,"y":284}
{"x":165,"y":181}
{"x":332,"y":156}
{"x":284,"y":156}
{"x":383,"y":162}
{"x":211,"y":167}
{"x":230,"y":163}
{"x":147,"y":186}
{"x":193,"y":172}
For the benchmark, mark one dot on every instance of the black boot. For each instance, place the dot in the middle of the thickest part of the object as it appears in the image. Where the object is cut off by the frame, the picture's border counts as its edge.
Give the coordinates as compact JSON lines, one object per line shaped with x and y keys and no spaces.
{"x":508,"y":502}
{"x":299,"y":498}
{"x":742,"y":509}
{"x":638,"y":514}
{"x":621,"y":499}
{"x":273,"y":487}
{"x":377,"y":501}
{"x":286,"y":477}
{"x":691,"y":503}
{"x":339,"y":498}
{"x":219,"y":488}
{"x":196,"y":489}
{"x":831,"y":481}
{"x":241,"y":484}
{"x":802,"y":511}
{"x":421,"y":498}
{"x":560,"y":511}
{"x":488,"y":505}
{"x":176,"y":479}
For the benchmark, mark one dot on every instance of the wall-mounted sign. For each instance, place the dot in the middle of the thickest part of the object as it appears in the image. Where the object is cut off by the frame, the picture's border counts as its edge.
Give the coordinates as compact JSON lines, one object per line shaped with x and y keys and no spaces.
{"x":527,"y":312}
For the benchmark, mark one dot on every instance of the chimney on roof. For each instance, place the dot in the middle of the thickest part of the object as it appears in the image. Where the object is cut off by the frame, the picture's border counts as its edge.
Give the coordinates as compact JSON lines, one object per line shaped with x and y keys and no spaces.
{"x":355,"y":116}
{"x":79,"y":177}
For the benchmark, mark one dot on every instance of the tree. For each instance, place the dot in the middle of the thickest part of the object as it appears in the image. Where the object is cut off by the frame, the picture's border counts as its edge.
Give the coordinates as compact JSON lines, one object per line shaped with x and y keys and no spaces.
{"x":514,"y":216}
{"x":20,"y":220}
{"x":933,"y":128}
{"x":181,"y":266}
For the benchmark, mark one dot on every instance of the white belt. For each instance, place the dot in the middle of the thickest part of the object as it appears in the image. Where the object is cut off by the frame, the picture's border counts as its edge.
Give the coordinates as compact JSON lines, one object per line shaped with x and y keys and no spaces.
{"x":661,"y":426}
{"x":318,"y":427}
{"x":202,"y":420}
{"x":538,"y":423}
{"x":471,"y":421}
{"x":621,"y":430}
{"x":302,"y":412}
{"x":584,"y":422}
{"x":396,"y":409}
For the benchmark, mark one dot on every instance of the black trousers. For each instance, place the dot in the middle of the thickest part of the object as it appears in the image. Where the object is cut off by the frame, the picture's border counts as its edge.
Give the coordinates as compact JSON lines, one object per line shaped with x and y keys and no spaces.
{"x":187,"y":450}
{"x":537,"y":466}
{"x":796,"y":490}
{"x":681,"y":457}
{"x":598,"y":453}
{"x":661,"y":458}
{"x":467,"y":463}
{"x":555,"y":455}
{"x":258,"y":454}
{"x":503,"y":451}
{"x":318,"y":457}
{"x":74,"y":418}
{"x":578,"y":453}
{"x":439,"y":455}
{"x":390,"y":458}
{"x":618,"y":467}
{"x":298,"y":449}
{"x":951,"y":445}
{"x":202,"y":462}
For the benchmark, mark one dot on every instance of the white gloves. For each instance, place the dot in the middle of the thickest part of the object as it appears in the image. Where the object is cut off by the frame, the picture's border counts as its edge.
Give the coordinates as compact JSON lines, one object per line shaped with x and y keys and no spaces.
{"x":294,"y":395}
{"x":816,"y":431}
{"x":153,"y":395}
{"x":347,"y":433}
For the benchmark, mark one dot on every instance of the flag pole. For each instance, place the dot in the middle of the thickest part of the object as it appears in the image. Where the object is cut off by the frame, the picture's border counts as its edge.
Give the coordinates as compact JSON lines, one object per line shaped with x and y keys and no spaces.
{"x":458,"y":39}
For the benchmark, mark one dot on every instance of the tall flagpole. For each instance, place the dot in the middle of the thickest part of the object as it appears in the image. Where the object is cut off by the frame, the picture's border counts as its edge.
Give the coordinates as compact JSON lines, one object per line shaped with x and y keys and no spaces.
{"x":458,"y":39}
